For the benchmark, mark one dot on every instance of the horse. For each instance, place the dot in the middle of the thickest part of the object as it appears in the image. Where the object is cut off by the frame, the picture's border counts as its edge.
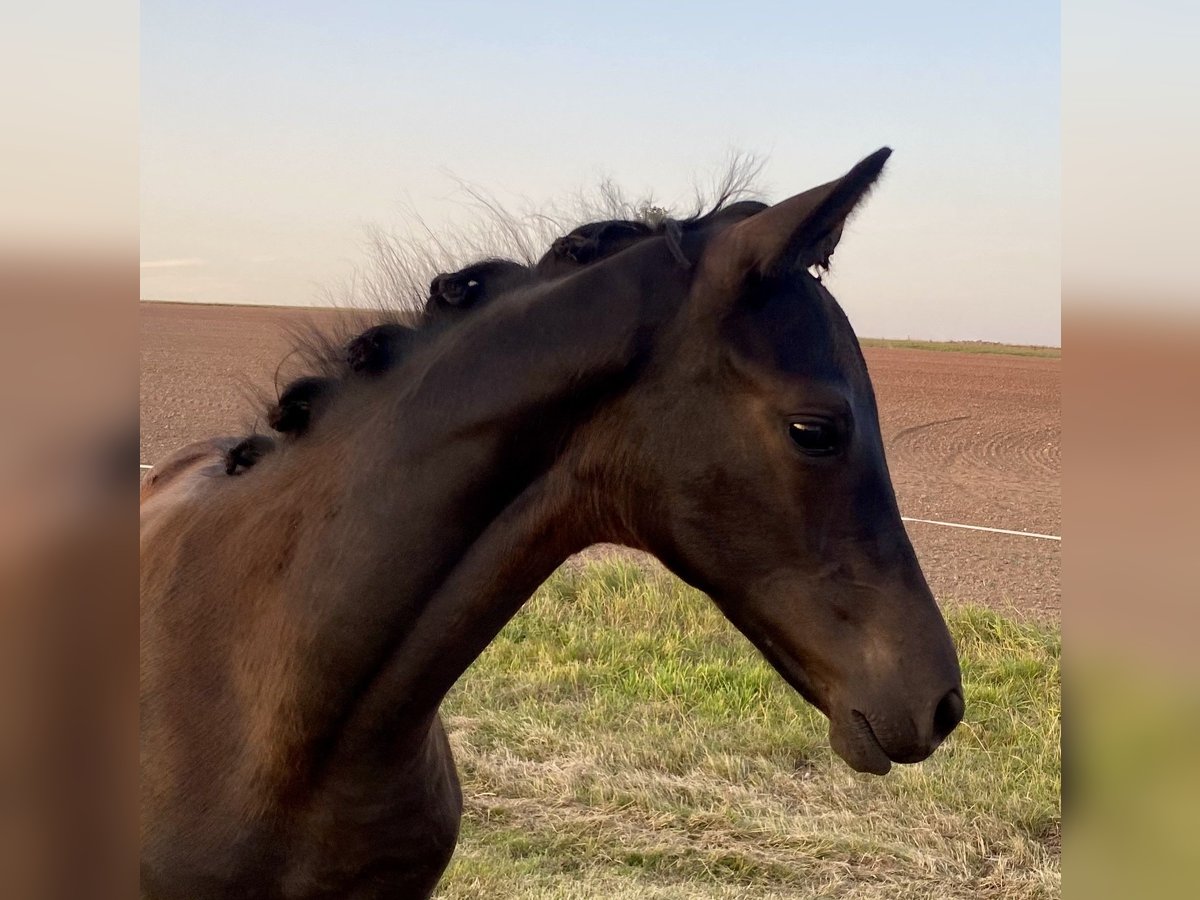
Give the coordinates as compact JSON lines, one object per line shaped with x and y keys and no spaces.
{"x":451,"y":295}
{"x":595,"y":240}
{"x":697,"y":393}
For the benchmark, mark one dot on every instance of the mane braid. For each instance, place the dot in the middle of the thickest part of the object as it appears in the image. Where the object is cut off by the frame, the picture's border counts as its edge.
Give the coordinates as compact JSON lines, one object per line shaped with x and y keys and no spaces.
{"x":343,"y":355}
{"x":373,"y":349}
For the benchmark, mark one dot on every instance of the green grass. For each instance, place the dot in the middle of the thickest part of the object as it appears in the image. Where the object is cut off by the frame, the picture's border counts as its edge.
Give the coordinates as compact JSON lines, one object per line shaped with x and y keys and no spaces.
{"x":966,"y":347}
{"x":620,"y":739}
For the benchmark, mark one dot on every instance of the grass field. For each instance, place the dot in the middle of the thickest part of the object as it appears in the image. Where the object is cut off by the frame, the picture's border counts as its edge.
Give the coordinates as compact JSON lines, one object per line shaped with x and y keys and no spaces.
{"x":621,"y":740}
{"x":966,"y":347}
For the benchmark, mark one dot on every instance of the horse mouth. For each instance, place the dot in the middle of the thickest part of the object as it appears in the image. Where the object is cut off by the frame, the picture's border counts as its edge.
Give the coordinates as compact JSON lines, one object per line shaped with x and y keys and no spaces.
{"x":854,"y":740}
{"x":851,"y":737}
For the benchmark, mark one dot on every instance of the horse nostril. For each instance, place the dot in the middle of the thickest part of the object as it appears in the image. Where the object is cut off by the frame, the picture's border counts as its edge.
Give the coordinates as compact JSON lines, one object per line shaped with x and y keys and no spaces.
{"x":948,"y":714}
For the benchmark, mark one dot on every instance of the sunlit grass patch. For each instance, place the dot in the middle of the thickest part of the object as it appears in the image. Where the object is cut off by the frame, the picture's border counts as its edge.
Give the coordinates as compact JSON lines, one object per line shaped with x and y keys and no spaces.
{"x":621,"y":739}
{"x":987,"y":347}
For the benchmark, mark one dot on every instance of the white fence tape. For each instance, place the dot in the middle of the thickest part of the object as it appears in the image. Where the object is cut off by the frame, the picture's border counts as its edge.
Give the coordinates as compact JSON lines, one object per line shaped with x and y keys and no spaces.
{"x":1029,"y":534}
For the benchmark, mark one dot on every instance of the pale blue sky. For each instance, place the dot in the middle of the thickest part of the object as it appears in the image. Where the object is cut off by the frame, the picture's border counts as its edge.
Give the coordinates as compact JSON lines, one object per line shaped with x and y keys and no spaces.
{"x":273,"y":133}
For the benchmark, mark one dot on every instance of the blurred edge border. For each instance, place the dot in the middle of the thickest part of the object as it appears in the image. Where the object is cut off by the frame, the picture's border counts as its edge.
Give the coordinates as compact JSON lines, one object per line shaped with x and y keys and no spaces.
{"x":1131,"y":426}
{"x":68,"y":285}
{"x":68,"y":498}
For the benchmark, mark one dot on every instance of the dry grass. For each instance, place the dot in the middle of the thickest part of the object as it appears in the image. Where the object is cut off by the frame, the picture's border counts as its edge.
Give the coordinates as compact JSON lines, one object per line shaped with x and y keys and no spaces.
{"x":986,"y":347}
{"x":620,"y":739}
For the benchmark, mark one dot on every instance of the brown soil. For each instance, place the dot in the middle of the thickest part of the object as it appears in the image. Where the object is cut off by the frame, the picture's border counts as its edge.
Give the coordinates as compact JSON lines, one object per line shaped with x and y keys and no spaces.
{"x":971,"y":438}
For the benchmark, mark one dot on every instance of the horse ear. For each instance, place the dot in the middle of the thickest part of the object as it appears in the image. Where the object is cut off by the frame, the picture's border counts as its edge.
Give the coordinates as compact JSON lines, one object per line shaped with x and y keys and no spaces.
{"x":799,"y":232}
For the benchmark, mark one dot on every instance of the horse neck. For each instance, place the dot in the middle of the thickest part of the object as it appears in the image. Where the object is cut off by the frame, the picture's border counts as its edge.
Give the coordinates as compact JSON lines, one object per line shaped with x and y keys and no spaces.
{"x":507,"y":392}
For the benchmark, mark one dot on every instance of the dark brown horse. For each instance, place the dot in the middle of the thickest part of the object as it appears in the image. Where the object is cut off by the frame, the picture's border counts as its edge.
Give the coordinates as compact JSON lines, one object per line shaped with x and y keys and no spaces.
{"x":695,"y":393}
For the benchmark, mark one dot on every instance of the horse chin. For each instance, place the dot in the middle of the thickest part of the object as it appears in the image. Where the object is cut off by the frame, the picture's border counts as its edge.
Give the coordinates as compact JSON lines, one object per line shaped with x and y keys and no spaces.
{"x":853,"y":740}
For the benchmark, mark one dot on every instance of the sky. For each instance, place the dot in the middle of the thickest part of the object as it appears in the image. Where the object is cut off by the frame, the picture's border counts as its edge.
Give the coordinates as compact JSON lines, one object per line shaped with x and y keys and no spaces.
{"x":275,"y":134}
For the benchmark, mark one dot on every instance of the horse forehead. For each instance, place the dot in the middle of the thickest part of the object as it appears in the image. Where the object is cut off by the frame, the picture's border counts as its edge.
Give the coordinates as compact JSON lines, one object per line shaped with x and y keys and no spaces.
{"x":803,"y":333}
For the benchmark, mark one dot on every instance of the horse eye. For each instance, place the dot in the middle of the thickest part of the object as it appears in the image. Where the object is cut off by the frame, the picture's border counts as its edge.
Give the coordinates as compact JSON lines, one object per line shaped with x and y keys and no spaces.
{"x":814,"y":438}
